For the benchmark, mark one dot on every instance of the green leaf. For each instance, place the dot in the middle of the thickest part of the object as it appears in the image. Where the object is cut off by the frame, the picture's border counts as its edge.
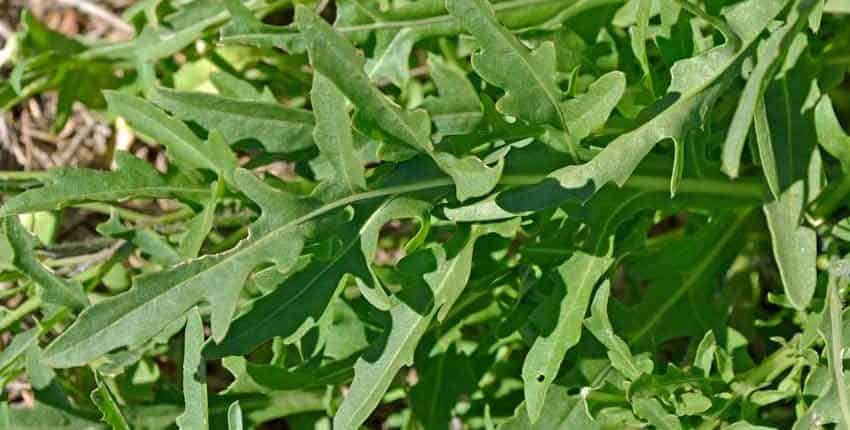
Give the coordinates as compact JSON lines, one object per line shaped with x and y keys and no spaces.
{"x":194,"y":376}
{"x":618,"y":351}
{"x":276,"y":127}
{"x":132,"y":178}
{"x":336,"y":59}
{"x":146,"y":240}
{"x":791,"y":138}
{"x":124,"y":320}
{"x":201,"y":225}
{"x":245,"y":28}
{"x":457,"y":110}
{"x":53,"y":289}
{"x":771,"y":54}
{"x":590,"y":110}
{"x":580,"y":274}
{"x":17,"y":348}
{"x":105,"y":403}
{"x":831,"y":136}
{"x":652,"y":411}
{"x":831,"y":330}
{"x":233,"y":87}
{"x":333,"y":136}
{"x":561,"y":411}
{"x":445,"y":378}
{"x":704,"y":355}
{"x":234,"y":416}
{"x":184,"y":148}
{"x":374,"y":374}
{"x":275,"y":378}
{"x":638,"y":35}
{"x":678,"y":302}
{"x":528,"y":77}
{"x":696,"y":83}
{"x":297,"y":303}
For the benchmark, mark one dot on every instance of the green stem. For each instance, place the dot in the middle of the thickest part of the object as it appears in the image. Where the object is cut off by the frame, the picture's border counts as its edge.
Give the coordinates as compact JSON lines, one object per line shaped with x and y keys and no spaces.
{"x":501,"y":7}
{"x":741,"y":188}
{"x":138,"y":217}
{"x":10,"y":292}
{"x":23,"y":175}
{"x":15,"y":315}
{"x":229,"y":241}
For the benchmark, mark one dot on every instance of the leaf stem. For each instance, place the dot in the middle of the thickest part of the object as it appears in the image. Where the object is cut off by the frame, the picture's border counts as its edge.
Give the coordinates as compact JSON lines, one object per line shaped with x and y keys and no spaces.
{"x":506,"y":6}
{"x":138,"y":217}
{"x":714,"y":21}
{"x":740,"y":188}
{"x":22,"y":175}
{"x":24,"y":309}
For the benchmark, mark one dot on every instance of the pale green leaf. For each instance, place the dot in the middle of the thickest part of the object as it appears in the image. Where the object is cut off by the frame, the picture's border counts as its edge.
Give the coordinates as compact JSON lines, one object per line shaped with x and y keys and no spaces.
{"x":562,"y":411}
{"x":771,"y":54}
{"x":457,"y":110}
{"x":333,"y":136}
{"x":373,"y":377}
{"x":126,"y":319}
{"x":652,"y":411}
{"x":184,"y":148}
{"x":336,"y":59}
{"x":696,"y":83}
{"x":790,"y":137}
{"x":276,"y":127}
{"x":618,"y":351}
{"x":234,"y":416}
{"x":53,"y":289}
{"x":110,"y":413}
{"x":831,"y":135}
{"x":132,"y":178}
{"x":195,"y":415}
{"x":580,"y":274}
{"x":528,"y":77}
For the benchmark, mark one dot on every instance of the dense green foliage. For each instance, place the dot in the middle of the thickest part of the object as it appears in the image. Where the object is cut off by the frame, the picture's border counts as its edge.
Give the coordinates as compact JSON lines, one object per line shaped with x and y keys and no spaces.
{"x":524,"y":214}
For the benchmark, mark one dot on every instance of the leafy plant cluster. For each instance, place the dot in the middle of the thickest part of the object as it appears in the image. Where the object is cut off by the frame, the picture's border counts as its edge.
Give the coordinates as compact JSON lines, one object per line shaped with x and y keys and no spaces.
{"x":520,"y":214}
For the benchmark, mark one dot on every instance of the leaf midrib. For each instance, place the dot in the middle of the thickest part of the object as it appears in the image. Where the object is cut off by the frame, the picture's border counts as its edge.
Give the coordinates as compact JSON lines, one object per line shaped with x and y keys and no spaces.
{"x":439,"y":19}
{"x":238,"y":107}
{"x":100,"y":195}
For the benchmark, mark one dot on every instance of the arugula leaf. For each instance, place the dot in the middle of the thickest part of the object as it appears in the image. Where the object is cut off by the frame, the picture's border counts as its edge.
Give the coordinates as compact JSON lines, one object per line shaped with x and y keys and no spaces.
{"x":104,"y":401}
{"x":618,"y":351}
{"x":53,"y":289}
{"x":123,"y":320}
{"x":194,"y":375}
{"x":328,"y":51}
{"x":277,"y":128}
{"x":771,"y":53}
{"x":333,"y":136}
{"x":183,"y":146}
{"x":696,"y":83}
{"x":132,"y":178}
{"x":445,"y":281}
